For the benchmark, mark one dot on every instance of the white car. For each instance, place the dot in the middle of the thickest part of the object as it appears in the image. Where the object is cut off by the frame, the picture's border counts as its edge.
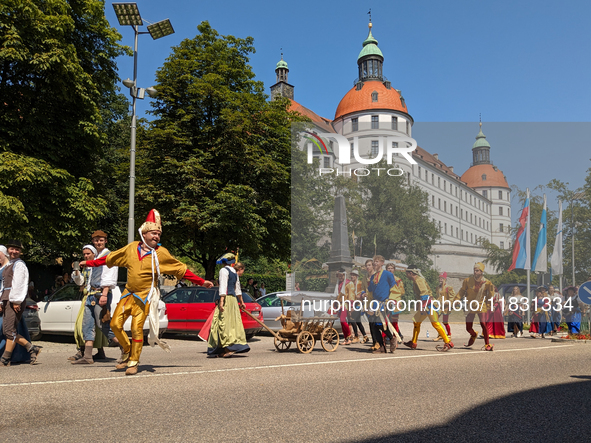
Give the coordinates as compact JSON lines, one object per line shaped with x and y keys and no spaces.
{"x":271,"y":308}
{"x":58,"y":313}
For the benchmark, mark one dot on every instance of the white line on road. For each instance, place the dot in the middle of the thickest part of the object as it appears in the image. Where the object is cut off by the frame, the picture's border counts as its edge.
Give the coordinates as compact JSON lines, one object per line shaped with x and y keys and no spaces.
{"x":253,"y":368}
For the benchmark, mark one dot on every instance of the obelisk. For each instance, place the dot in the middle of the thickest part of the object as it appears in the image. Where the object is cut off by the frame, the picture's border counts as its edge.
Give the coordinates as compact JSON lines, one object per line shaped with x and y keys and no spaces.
{"x":340,"y":254}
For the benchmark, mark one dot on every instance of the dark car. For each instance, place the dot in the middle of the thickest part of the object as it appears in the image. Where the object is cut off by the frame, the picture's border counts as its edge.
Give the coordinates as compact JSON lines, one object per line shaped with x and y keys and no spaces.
{"x":189,"y":307}
{"x":32,"y":320}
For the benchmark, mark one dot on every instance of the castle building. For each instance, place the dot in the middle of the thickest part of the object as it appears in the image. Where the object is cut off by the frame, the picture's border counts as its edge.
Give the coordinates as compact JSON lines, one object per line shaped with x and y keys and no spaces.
{"x":467,"y":209}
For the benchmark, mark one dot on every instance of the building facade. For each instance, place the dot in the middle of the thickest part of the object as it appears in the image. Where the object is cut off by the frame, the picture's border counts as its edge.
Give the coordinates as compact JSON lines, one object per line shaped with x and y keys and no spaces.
{"x":467,"y":209}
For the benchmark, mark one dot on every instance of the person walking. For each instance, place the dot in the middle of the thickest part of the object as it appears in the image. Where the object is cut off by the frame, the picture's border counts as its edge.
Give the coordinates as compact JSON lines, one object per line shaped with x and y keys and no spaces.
{"x":396,"y":293}
{"x":93,"y":323}
{"x":423,"y":293}
{"x":145,"y":261}
{"x":446,"y":296}
{"x":514,"y":313}
{"x":353,"y":292}
{"x":342,"y":297}
{"x":476,"y":291}
{"x":227,"y":336}
{"x":15,"y":283}
{"x":20,"y":354}
{"x":380,"y":285}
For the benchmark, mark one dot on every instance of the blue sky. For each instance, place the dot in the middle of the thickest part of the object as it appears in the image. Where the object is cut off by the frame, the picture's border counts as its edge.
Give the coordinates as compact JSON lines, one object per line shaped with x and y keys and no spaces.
{"x":526,"y":61}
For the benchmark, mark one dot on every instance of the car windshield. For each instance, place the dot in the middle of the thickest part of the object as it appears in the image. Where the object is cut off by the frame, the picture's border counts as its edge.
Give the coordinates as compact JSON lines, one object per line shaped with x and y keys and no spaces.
{"x":198,"y":295}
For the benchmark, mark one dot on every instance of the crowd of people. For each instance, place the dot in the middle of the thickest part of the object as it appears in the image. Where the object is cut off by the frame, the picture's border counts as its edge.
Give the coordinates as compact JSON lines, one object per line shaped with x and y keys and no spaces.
{"x":145,"y":260}
{"x":549,"y":308}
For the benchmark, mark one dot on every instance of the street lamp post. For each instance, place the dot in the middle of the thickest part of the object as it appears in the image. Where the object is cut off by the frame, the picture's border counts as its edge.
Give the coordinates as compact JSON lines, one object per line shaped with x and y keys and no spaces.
{"x":129,"y":14}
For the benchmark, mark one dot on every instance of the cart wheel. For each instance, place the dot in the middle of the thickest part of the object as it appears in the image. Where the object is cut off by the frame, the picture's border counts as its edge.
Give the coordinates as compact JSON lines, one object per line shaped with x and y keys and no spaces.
{"x":305,"y":342}
{"x":329,"y":339}
{"x":282,"y":346}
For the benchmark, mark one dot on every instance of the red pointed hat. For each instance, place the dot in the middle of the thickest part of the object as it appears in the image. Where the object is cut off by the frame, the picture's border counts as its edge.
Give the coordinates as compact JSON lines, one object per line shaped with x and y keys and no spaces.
{"x":152,"y":223}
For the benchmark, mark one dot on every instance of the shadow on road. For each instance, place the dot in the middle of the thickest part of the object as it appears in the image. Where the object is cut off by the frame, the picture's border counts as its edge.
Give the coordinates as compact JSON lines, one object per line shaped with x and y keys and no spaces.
{"x":553,"y":413}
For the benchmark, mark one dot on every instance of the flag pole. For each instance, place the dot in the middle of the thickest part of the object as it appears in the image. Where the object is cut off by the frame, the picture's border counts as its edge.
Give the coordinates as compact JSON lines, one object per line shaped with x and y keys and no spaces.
{"x":528,"y":257}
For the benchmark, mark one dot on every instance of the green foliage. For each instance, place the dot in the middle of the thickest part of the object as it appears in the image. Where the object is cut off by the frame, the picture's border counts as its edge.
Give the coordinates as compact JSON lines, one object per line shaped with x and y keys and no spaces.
{"x":273,"y":283}
{"x":314,"y":284}
{"x":312,"y":204}
{"x":576,"y":211}
{"x":515,"y":276}
{"x":216,"y":159}
{"x":57,"y":61}
{"x":396,"y":215}
{"x":57,"y":75}
{"x":45,"y":204}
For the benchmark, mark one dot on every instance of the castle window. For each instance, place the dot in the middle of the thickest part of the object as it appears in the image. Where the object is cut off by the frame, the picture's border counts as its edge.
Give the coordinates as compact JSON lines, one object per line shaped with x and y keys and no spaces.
{"x":444,"y":185}
{"x":374,"y":147}
{"x":502,"y":245}
{"x":433,"y":201}
{"x":355,"y":124}
{"x":456,"y":232}
{"x":483,"y":176}
{"x":445,"y":228}
{"x":439,"y":182}
{"x":402,"y":102}
{"x":374,"y":96}
{"x":419,"y":172}
{"x":500,"y":195}
{"x":408,"y":127}
{"x":485,"y":194}
{"x":500,"y":210}
{"x":501,"y":227}
{"x":352,"y":149}
{"x":439,"y":203}
{"x":432,"y":179}
{"x":395,"y":123}
{"x":375,"y":122}
{"x":444,"y":206}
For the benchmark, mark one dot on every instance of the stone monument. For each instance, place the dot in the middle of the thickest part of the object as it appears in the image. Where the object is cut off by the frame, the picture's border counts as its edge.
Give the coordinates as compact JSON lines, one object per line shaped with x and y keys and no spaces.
{"x":340,"y":254}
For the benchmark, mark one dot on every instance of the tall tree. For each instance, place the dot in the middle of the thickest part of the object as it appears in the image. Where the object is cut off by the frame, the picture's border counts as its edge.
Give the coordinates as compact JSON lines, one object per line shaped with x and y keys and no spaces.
{"x":397,"y":216}
{"x":56,"y":68}
{"x":217,"y":158}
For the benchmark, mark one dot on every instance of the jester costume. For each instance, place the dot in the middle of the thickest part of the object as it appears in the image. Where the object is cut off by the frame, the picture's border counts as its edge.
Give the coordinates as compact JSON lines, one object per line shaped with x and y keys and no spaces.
{"x":141,"y":295}
{"x":477,"y":295}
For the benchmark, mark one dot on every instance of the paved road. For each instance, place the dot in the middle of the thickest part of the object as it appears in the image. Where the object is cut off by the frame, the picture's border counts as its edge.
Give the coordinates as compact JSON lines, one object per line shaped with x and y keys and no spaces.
{"x":525,"y":390}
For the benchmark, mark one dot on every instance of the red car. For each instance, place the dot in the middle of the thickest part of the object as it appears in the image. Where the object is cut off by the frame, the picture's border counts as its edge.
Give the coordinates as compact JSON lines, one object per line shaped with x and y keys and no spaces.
{"x":188,"y":309}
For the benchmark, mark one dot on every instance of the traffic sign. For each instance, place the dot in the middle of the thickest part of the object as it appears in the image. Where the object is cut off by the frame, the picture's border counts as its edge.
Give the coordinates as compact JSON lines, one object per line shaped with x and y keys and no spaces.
{"x":585,"y":292}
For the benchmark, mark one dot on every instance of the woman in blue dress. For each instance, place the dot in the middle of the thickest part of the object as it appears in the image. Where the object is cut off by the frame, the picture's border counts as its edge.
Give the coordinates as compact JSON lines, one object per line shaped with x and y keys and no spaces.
{"x":20,"y":354}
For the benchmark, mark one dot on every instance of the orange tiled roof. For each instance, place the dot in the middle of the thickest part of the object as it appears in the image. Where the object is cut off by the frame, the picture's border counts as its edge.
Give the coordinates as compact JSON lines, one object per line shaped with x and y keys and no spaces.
{"x":494,"y":177}
{"x":360,"y":100}
{"x":324,"y":123}
{"x":429,"y":158}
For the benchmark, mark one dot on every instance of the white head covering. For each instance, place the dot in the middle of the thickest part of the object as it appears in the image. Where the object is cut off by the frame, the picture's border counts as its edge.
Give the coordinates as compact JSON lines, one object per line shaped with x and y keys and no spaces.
{"x":4,"y":250}
{"x":92,"y":248}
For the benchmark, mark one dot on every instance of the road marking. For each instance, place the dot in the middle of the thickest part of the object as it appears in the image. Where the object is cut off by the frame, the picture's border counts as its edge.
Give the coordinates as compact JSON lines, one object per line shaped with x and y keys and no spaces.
{"x":256,"y":368}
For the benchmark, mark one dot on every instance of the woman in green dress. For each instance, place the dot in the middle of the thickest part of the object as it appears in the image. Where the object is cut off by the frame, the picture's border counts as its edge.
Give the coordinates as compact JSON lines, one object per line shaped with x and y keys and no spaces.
{"x":227,"y":336}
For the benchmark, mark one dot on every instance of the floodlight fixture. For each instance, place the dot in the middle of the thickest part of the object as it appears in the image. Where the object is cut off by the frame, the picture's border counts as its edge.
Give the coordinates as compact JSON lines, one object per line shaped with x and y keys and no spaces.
{"x":128,"y":14}
{"x":160,"y":29}
{"x":151,"y":92}
{"x":128,"y":83}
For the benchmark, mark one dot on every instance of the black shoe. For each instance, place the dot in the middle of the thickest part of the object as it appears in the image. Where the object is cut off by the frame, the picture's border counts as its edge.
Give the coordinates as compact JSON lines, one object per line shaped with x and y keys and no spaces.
{"x":100,"y":355}
{"x":34,"y":352}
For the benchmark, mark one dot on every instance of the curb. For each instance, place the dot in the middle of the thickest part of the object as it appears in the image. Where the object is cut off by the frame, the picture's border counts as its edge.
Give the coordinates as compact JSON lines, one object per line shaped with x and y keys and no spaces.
{"x":567,"y":340}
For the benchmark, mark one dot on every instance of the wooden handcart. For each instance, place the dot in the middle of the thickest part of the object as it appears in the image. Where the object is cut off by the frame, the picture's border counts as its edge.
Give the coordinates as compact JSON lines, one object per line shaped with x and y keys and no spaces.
{"x":304,"y":331}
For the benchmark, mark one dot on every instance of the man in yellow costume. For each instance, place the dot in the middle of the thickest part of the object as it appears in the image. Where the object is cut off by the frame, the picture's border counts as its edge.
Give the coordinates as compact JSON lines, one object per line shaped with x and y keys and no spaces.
{"x":423,"y":293}
{"x":396,"y":293}
{"x":145,"y":261}
{"x":476,"y":293}
{"x":446,"y":296}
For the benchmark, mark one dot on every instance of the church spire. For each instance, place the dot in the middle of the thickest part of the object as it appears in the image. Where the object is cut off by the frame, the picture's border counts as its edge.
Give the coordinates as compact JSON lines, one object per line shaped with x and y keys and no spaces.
{"x":481,"y":149}
{"x":370,"y":60}
{"x":281,"y":88}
